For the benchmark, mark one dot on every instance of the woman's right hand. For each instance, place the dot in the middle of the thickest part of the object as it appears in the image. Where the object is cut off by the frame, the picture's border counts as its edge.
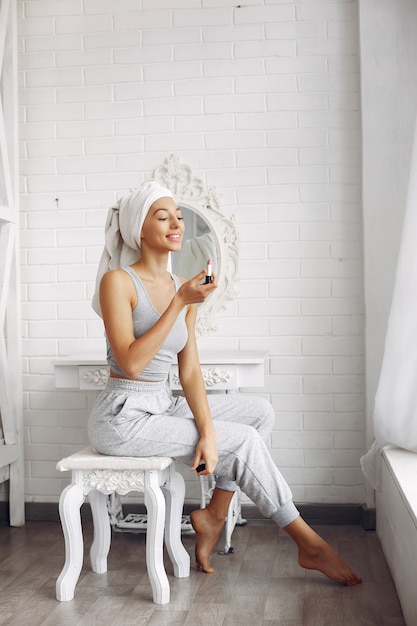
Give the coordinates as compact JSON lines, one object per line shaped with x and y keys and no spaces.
{"x":193,"y":291}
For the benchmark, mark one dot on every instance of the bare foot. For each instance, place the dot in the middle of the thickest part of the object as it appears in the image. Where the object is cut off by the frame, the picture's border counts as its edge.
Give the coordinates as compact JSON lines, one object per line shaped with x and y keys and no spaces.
{"x":208,"y":530}
{"x":315,"y":553}
{"x":324,"y":559}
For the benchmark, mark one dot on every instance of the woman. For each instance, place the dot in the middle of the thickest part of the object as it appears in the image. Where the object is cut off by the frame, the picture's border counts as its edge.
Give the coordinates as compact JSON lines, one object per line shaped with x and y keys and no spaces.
{"x":149,"y":317}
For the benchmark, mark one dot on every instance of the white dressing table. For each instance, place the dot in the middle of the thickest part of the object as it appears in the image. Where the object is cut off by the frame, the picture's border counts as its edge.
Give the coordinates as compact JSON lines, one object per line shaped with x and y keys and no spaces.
{"x":226,"y":371}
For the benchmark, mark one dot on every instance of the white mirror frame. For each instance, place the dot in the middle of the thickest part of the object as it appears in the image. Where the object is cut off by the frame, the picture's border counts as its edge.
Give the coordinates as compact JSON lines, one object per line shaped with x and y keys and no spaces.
{"x":191,"y":193}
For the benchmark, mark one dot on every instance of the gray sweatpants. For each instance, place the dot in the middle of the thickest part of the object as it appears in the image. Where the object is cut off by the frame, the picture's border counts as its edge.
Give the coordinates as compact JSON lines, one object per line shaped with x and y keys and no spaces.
{"x":133,"y":418}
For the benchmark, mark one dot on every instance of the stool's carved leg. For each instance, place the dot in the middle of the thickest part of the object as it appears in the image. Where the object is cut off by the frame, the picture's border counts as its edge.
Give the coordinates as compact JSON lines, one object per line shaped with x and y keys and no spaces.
{"x":69,"y":511}
{"x":155,"y":506}
{"x":231,"y":520}
{"x":101,"y":543}
{"x":174,"y":489}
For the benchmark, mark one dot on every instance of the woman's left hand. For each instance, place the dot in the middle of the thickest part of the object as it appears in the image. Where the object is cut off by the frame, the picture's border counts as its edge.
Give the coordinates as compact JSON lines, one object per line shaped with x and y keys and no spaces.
{"x":206,"y":452}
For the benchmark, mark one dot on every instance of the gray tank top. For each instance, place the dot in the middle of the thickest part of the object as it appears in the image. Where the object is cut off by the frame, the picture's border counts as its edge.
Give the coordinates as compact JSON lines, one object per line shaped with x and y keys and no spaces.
{"x":144,"y":317}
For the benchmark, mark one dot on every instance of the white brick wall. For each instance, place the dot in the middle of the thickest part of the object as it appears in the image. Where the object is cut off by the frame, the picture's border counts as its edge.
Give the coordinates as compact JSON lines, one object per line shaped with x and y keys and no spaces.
{"x":262,"y":100}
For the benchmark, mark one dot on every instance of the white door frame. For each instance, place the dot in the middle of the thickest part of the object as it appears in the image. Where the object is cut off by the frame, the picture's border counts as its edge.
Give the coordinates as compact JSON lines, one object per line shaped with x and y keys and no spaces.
{"x":11,"y":406}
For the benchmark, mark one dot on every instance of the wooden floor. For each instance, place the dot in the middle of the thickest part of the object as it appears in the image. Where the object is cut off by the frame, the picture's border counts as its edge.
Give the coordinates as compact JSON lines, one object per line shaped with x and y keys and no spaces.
{"x":259,"y":585}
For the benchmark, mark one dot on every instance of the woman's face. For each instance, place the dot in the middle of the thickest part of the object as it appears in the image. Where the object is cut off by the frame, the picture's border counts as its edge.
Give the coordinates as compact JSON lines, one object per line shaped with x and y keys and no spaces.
{"x":163,"y":227}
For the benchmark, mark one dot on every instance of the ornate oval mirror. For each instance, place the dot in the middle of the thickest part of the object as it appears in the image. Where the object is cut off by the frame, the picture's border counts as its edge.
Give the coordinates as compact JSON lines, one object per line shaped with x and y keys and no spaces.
{"x":209,"y":234}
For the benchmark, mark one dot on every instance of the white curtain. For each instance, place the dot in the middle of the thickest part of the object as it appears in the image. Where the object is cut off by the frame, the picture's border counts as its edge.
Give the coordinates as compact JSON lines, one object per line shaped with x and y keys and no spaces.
{"x":395,"y":413}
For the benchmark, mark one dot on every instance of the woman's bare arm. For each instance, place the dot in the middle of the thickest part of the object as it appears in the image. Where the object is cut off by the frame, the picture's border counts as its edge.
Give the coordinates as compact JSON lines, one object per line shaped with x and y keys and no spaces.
{"x":192,"y":383}
{"x":117,"y":296}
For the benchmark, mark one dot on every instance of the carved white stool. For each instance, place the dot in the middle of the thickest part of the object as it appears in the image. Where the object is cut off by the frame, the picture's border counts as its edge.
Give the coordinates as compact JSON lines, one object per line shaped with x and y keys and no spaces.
{"x":97,"y":476}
